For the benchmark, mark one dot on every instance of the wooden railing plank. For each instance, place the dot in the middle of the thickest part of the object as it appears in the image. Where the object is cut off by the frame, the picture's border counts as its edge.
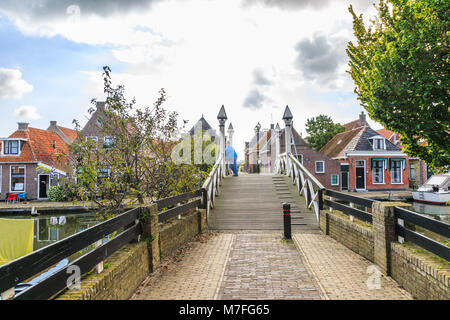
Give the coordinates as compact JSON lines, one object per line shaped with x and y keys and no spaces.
{"x":433,"y":225}
{"x":57,"y":282}
{"x":165,"y":215}
{"x":29,"y":265}
{"x":364,"y":216}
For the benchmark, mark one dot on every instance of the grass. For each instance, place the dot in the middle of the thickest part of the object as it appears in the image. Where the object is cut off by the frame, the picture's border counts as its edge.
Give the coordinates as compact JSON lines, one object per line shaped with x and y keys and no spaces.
{"x":355,"y":220}
{"x":438,"y":262}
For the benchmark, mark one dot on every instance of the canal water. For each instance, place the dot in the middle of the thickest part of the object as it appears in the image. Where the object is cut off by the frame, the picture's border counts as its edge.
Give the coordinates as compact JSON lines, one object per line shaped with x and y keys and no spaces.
{"x":441,"y":213}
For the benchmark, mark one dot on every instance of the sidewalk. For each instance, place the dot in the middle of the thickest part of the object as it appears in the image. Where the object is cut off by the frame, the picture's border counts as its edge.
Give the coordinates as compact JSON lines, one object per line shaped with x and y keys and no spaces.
{"x":261,"y":265}
{"x":343,"y":274}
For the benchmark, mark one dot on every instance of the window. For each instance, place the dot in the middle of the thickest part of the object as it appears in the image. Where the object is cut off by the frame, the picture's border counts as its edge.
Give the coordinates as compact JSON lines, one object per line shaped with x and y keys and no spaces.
{"x":378,"y":171}
{"x":17,"y":178}
{"x":92,"y":138}
{"x":11,"y":147}
{"x":299,"y":158}
{"x":334,"y":180}
{"x":103,"y":172}
{"x":396,"y":171}
{"x":378,"y":144}
{"x":412,"y":172}
{"x":320,"y":166}
{"x":108,"y":142}
{"x":360,"y":163}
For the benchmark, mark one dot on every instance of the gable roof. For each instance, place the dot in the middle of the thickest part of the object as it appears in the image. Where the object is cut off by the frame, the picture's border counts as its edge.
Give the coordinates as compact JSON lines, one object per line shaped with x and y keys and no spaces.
{"x":353,"y":140}
{"x":205,"y":126}
{"x":39,"y":147}
{"x":70,"y":134}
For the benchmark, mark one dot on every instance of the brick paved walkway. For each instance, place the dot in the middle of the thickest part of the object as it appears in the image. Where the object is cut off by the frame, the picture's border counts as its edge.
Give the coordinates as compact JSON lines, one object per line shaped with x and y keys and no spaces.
{"x":195,"y":277}
{"x":342,"y":273}
{"x":262,"y":266}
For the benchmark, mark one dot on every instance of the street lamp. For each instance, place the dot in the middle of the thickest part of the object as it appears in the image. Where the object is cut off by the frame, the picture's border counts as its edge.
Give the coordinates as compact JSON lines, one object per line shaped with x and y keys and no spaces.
{"x":257,"y":128}
{"x":222,"y":117}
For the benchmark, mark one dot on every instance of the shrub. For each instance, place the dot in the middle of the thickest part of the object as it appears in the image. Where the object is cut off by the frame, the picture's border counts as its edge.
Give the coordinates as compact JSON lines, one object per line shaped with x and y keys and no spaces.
{"x":57,"y":193}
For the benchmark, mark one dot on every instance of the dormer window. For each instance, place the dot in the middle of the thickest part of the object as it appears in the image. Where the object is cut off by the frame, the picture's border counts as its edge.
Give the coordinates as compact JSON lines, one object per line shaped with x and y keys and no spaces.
{"x":11,"y":147}
{"x":378,"y":143}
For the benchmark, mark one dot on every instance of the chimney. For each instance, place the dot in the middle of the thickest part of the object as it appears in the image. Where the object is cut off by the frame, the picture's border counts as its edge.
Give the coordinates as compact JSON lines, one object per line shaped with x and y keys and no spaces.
{"x":100,"y":105}
{"x":23,"y":126}
{"x":272,"y":126}
{"x":53,"y":123}
{"x":362,"y":118}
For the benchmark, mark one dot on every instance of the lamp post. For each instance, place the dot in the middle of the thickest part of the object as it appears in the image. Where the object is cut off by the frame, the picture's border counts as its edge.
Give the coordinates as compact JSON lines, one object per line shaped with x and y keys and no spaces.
{"x":222,"y":117}
{"x":277,"y":143}
{"x":287,"y":117}
{"x":257,"y":128}
{"x":230,"y":133}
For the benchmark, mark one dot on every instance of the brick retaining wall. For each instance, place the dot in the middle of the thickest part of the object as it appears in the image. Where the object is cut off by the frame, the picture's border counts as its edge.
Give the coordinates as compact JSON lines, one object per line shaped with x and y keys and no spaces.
{"x":124,"y":271}
{"x":355,"y":237}
{"x":419,"y":277}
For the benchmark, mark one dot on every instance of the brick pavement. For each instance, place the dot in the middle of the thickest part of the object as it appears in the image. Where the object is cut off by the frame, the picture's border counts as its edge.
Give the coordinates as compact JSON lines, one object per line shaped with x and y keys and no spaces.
{"x":342,"y":273}
{"x":196,"y":276}
{"x":260,"y":265}
{"x":263,"y":266}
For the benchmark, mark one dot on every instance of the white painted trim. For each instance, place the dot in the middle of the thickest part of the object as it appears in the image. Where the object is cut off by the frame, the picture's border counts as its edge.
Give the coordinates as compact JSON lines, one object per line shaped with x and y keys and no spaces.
{"x":337,"y":179}
{"x":374,"y":154}
{"x":384,"y":175}
{"x":49,"y":167}
{"x":39,"y":185}
{"x":24,"y":178}
{"x":401,"y":172}
{"x":364,"y":175}
{"x":315,"y":166}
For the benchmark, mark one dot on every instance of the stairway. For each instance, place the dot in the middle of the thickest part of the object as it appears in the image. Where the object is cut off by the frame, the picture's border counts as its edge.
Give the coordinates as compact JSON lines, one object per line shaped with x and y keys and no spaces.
{"x":254,"y":202}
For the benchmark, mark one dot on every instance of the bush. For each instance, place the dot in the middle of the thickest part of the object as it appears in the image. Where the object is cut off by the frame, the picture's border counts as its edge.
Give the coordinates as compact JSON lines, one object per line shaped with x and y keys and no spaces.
{"x":57,"y":194}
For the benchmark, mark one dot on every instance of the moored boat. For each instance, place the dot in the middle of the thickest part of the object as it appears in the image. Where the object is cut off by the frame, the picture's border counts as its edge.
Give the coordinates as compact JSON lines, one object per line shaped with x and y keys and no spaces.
{"x":435,"y":190}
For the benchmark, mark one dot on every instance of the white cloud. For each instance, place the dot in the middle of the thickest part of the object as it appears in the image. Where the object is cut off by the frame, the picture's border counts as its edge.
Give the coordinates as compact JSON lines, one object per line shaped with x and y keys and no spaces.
{"x":206,"y":53}
{"x":12,"y":85}
{"x":27,"y":113}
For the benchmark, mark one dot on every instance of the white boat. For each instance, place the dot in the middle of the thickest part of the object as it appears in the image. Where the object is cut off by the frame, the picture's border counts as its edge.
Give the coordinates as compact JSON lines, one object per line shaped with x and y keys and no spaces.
{"x":434,"y":190}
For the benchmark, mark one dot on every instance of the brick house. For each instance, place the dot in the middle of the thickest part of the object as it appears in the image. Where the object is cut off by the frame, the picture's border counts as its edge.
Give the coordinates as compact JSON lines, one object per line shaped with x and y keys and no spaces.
{"x":418,"y":170}
{"x":325,"y":169}
{"x":26,"y":154}
{"x":368,"y":160}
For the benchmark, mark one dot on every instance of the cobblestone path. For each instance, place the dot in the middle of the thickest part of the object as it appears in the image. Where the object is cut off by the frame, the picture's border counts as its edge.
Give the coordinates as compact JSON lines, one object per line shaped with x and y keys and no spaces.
{"x":343,"y":274}
{"x":260,"y":265}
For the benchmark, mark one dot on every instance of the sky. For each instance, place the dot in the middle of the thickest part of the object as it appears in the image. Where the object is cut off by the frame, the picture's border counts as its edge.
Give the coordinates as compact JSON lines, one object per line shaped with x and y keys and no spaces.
{"x":252,"y":56}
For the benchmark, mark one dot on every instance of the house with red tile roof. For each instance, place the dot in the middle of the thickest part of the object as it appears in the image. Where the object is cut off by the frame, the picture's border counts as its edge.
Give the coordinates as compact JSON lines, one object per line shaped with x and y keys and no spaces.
{"x":25,"y":155}
{"x":418,"y":170}
{"x":325,"y":169}
{"x":368,"y":160}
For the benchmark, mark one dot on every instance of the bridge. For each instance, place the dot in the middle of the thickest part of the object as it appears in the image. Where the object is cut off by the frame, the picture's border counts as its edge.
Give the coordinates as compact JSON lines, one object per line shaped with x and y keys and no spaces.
{"x":337,"y":246}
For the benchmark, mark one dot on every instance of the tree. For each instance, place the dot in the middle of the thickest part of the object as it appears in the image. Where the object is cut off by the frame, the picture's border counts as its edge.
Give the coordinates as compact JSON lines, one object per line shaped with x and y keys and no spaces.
{"x":400,"y":66}
{"x":135,"y":166}
{"x":320,"y":130}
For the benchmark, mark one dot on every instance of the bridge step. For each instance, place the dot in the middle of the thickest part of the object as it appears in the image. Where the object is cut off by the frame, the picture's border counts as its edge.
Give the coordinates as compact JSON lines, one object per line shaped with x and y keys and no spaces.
{"x":252,"y":202}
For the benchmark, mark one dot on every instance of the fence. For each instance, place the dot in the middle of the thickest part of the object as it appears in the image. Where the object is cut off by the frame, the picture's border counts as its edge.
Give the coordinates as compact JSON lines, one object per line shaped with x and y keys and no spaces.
{"x":212,"y":184}
{"x":306,"y":183}
{"x":19,"y":270}
{"x":421,"y":240}
{"x":349,"y":210}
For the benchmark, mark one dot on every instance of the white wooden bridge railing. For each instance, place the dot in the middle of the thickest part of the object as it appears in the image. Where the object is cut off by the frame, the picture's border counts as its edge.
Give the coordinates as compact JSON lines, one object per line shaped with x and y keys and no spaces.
{"x":306,"y":183}
{"x":212,"y":184}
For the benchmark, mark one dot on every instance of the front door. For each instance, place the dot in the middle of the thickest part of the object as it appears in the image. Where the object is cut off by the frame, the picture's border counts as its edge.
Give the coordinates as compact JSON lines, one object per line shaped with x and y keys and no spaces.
{"x":344,"y":176}
{"x":43,"y":186}
{"x":360,"y":175}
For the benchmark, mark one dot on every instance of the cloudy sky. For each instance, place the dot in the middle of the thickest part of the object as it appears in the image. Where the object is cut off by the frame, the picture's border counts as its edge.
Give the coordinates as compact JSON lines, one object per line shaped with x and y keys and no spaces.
{"x":253,"y":56}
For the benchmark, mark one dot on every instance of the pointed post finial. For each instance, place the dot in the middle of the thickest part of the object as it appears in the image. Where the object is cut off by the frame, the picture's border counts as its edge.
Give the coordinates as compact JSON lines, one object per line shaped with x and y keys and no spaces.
{"x":287,"y":114}
{"x":222,"y":116}
{"x":230,"y":127}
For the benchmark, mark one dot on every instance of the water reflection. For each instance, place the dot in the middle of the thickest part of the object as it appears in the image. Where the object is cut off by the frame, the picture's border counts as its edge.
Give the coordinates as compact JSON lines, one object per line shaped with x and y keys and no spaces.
{"x":438,"y":212}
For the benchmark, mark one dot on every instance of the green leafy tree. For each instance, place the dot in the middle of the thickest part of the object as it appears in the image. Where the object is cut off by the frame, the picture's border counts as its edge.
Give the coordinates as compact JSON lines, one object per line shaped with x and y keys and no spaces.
{"x":320,"y":130}
{"x":400,"y":66}
{"x":135,"y":166}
